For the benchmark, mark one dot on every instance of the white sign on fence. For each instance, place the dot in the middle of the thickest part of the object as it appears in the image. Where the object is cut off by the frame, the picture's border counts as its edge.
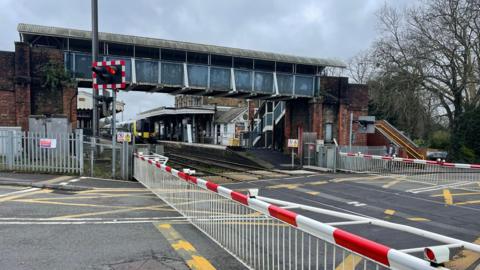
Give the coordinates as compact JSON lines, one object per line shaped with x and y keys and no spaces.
{"x":48,"y":143}
{"x":124,"y":136}
{"x":293,"y":143}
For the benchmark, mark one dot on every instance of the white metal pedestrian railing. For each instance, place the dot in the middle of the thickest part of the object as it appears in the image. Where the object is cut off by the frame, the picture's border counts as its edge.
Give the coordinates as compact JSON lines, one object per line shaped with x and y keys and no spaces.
{"x":32,"y":151}
{"x":263,"y":235}
{"x":464,"y":176}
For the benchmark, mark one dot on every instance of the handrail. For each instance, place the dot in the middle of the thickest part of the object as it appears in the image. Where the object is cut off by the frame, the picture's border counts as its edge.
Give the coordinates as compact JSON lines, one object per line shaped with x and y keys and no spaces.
{"x":399,"y":140}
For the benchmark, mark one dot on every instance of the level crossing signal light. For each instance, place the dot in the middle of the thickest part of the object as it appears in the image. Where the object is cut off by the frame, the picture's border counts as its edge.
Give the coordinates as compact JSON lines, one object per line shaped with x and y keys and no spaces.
{"x":108,"y":74}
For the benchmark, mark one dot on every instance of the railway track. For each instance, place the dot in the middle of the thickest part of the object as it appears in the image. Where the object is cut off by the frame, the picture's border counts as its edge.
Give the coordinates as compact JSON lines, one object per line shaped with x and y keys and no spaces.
{"x":222,"y":168}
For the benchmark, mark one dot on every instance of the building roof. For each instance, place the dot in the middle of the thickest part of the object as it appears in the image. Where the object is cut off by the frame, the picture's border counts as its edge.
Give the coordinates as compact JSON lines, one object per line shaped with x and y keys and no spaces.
{"x":39,"y":30}
{"x":84,"y":102}
{"x":174,"y":111}
{"x":229,"y":115}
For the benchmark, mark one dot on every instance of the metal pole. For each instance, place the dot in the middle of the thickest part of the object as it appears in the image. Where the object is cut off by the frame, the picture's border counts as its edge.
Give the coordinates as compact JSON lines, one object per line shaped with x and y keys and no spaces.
{"x":94,"y":59}
{"x":351,"y":131}
{"x":114,"y":131}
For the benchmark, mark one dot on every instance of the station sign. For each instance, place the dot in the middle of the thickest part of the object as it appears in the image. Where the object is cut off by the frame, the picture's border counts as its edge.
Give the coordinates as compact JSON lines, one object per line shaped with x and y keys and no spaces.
{"x":48,"y":143}
{"x":124,"y":136}
{"x":293,"y":143}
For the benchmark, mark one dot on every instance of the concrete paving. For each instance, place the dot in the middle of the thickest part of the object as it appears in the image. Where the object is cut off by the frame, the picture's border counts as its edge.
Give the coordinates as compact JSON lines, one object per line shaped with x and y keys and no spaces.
{"x":111,"y":225}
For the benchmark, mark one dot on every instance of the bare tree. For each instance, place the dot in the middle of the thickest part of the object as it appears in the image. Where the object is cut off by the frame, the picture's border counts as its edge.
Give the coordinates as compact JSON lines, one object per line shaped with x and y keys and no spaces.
{"x":435,"y":48}
{"x":361,"y":67}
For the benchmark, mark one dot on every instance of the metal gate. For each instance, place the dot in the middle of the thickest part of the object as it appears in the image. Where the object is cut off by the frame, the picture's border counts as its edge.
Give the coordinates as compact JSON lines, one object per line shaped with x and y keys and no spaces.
{"x":40,"y":152}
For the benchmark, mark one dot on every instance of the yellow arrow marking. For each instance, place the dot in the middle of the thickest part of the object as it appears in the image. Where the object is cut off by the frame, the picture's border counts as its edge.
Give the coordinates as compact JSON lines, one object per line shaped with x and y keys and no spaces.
{"x":447,"y":196}
{"x":182,"y":244}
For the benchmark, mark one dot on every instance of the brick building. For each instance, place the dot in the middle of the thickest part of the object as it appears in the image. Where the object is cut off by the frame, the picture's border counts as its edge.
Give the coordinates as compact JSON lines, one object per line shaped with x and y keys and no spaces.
{"x":21,"y":91}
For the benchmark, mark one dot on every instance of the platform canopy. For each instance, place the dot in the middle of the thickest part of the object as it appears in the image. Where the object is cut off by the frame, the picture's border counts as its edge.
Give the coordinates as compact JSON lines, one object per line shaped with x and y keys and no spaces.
{"x":161,"y":111}
{"x":178,"y":67}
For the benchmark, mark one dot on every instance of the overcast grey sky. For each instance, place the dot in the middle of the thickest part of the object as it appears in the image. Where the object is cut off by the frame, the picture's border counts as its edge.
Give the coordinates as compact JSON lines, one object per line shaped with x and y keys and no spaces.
{"x":322,"y":28}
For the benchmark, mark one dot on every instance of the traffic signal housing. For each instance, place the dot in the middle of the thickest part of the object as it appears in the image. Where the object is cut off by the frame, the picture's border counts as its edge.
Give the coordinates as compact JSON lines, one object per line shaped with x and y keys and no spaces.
{"x":109,"y":74}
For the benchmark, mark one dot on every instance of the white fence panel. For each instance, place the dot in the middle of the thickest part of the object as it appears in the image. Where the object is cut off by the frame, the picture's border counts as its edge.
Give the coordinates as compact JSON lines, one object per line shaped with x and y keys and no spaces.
{"x":37,"y":152}
{"x":263,"y":235}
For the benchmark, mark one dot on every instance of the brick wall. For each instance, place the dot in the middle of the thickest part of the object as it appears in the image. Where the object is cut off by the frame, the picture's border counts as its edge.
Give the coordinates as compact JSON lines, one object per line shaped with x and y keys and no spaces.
{"x":7,"y":86}
{"x":22,"y":84}
{"x":338,"y":100}
{"x":21,"y":90}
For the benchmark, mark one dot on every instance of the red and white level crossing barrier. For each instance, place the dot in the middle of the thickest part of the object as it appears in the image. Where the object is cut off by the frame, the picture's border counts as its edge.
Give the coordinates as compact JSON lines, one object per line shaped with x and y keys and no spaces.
{"x":436,"y":173}
{"x":188,"y":201}
{"x":415,"y":161}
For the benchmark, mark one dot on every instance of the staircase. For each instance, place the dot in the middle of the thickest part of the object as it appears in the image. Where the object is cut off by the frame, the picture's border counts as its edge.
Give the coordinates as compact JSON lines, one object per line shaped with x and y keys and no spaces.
{"x":398,"y":138}
{"x":267,"y":120}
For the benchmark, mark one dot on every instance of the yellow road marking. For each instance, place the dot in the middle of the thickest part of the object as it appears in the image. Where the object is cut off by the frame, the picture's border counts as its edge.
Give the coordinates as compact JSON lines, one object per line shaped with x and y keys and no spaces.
{"x":58,"y":179}
{"x":447,"y":196}
{"x":184,"y":248}
{"x":199,"y":263}
{"x":287,"y":186}
{"x":108,"y":212}
{"x":392,"y":183}
{"x":313,"y":192}
{"x":21,"y":195}
{"x":468,"y":202}
{"x":182,"y":244}
{"x":95,"y":197}
{"x":420,"y":219}
{"x":457,"y":194}
{"x":317,"y":183}
{"x":465,"y":259}
{"x":83,"y":204}
{"x":350,"y":262}
{"x":390,"y":212}
{"x":113,"y":190}
{"x":369,"y":178}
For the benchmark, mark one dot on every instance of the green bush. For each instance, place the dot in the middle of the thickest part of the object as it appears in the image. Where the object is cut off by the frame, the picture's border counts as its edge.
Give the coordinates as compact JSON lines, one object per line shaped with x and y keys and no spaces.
{"x":440,"y":139}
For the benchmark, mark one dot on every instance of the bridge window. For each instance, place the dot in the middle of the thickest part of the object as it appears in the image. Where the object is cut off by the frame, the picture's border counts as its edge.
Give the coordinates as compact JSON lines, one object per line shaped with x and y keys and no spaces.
{"x":284,"y":67}
{"x":173,"y":55}
{"x":80,"y":45}
{"x":306,"y":69}
{"x":120,"y":49}
{"x":221,"y":60}
{"x":197,"y":58}
{"x":242,"y":63}
{"x":264,"y":65}
{"x":147,"y":52}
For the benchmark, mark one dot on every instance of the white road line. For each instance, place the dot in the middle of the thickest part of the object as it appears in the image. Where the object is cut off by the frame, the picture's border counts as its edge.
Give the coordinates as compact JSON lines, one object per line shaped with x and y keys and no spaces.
{"x":427,"y":189}
{"x":92,"y":219}
{"x":19,"y":192}
{"x":77,"y":222}
{"x":356,"y":204}
{"x":74,"y":180}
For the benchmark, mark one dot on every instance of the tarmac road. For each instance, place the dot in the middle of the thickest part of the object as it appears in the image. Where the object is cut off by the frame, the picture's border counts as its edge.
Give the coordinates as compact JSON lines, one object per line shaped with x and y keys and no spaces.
{"x":111,"y":225}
